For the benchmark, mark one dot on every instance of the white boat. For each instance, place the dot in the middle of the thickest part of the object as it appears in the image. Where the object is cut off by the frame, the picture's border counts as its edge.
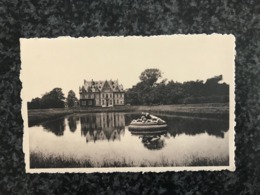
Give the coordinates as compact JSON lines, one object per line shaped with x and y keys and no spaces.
{"x":153,"y":123}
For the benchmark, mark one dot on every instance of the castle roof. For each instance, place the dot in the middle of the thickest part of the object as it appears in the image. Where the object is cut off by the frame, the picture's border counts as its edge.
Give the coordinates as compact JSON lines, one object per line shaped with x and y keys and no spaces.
{"x":98,"y":86}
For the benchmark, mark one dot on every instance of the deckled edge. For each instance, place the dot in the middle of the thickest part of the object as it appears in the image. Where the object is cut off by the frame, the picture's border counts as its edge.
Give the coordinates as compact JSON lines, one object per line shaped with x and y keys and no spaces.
{"x":232,"y":147}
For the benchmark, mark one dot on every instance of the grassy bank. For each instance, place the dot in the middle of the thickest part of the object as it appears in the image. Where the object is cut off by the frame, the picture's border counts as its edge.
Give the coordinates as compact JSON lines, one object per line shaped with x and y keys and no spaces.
{"x":217,"y":110}
{"x":40,"y":115}
{"x":38,"y":160}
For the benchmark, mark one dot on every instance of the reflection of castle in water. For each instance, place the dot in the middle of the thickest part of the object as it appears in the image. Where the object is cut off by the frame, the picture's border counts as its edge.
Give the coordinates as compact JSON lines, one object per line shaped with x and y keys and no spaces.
{"x":102,"y":126}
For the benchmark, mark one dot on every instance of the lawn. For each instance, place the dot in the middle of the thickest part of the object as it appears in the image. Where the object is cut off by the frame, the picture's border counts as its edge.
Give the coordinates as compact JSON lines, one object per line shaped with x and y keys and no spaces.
{"x":216,"y":110}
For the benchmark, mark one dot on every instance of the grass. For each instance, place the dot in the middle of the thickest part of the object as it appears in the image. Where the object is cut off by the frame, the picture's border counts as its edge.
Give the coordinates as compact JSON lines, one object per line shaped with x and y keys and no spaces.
{"x":40,"y":115}
{"x":194,"y":108}
{"x":213,"y":110}
{"x":203,"y":161}
{"x":39,"y":160}
{"x":216,"y":110}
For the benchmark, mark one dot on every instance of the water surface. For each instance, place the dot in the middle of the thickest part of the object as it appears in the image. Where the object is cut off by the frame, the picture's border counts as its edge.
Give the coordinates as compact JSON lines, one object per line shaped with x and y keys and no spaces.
{"x":105,"y":138}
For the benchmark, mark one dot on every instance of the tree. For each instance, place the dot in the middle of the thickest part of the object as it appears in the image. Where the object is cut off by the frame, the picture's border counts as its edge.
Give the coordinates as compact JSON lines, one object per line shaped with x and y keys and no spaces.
{"x":148,"y":91}
{"x":213,"y":86}
{"x":71,"y":99}
{"x":150,"y":76}
{"x":214,"y":80}
{"x":35,"y":103}
{"x":53,"y":99}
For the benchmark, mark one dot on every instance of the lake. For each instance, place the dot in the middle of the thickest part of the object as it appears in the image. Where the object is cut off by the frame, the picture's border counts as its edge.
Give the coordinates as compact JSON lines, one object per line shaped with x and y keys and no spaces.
{"x":103,"y":140}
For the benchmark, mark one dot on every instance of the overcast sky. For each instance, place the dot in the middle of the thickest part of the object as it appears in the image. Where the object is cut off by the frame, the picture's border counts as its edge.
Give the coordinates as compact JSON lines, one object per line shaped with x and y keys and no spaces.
{"x":65,"y":62}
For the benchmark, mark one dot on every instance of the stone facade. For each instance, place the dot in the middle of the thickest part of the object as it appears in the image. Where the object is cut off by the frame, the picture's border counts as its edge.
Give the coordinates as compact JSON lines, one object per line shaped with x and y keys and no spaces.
{"x":101,"y":93}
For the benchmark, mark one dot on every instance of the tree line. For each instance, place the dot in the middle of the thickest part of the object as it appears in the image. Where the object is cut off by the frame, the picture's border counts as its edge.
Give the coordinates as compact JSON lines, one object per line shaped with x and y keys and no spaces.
{"x":150,"y":92}
{"x":54,"y":99}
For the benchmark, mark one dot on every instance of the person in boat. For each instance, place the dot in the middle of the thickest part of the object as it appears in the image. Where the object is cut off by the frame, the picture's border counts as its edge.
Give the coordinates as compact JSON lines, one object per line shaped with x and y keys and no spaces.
{"x":146,"y":116}
{"x":143,"y":118}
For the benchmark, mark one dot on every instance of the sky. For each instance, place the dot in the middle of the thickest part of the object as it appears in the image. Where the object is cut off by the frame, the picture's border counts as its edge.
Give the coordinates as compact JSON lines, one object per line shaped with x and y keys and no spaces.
{"x":65,"y":62}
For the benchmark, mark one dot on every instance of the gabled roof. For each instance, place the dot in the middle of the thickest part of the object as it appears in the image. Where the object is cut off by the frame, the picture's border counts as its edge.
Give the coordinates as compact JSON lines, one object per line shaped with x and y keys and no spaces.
{"x":97,"y":86}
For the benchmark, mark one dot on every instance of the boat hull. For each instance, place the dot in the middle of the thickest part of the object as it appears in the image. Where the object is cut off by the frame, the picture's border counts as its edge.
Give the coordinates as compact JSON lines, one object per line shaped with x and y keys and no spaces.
{"x":146,"y":127}
{"x":148,"y":132}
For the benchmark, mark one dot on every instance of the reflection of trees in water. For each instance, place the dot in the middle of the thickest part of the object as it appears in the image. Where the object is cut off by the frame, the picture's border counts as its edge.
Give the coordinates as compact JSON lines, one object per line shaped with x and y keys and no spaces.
{"x":72,"y":122}
{"x":193,"y":126}
{"x":190,"y":126}
{"x":109,"y":126}
{"x":56,"y":126}
{"x":130,"y":117}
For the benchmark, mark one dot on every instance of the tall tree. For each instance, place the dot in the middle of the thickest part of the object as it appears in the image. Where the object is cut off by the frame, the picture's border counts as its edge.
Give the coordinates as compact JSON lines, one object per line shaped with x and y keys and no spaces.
{"x":71,"y":99}
{"x":53,"y":99}
{"x":150,"y":76}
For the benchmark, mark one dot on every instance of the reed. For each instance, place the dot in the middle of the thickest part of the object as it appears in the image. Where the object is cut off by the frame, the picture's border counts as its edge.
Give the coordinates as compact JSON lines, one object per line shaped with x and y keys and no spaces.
{"x":39,"y":160}
{"x":203,"y":161}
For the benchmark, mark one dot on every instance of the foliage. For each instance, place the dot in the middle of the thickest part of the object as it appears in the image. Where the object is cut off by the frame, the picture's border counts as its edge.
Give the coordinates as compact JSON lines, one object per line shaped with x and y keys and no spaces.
{"x":53,"y":99}
{"x":150,"y":76}
{"x":149,"y":92}
{"x":71,"y":99}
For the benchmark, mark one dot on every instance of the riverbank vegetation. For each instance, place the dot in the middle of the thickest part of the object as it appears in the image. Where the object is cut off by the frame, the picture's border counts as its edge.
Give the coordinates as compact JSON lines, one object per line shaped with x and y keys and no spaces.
{"x":192,"y":98}
{"x":216,"y":110}
{"x":39,"y":160}
{"x":150,"y":92}
{"x":37,"y":116}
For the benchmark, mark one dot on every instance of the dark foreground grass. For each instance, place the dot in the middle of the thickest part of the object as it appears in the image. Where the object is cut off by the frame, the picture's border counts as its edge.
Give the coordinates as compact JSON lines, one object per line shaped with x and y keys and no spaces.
{"x":39,"y":160}
{"x":203,"y":161}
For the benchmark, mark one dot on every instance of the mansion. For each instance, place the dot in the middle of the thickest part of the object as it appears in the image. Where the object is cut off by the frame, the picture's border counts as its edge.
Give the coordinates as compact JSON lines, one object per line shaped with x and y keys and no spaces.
{"x":101,"y":93}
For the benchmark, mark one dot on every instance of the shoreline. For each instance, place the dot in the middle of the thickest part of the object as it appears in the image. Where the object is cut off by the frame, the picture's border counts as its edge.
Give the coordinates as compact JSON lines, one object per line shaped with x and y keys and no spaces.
{"x":216,"y":110}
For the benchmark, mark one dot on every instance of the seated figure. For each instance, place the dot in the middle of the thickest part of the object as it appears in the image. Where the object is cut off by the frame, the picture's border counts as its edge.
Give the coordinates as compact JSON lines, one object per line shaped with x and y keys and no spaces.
{"x":146,"y":116}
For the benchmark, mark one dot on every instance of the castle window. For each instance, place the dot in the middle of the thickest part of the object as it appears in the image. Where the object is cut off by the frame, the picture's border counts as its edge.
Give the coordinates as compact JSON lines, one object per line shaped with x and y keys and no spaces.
{"x":83,"y":102}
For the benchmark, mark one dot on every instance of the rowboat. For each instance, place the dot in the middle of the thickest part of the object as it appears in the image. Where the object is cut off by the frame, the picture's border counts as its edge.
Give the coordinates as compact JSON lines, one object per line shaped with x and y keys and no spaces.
{"x":153,"y":123}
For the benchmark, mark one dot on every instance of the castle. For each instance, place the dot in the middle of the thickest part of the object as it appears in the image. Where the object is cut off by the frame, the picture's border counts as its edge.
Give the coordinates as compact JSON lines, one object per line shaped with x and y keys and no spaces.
{"x":101,"y":93}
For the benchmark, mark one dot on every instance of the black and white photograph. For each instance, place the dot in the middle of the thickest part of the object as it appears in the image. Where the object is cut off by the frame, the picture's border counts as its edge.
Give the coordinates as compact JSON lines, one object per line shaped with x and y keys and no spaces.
{"x":128,"y":104}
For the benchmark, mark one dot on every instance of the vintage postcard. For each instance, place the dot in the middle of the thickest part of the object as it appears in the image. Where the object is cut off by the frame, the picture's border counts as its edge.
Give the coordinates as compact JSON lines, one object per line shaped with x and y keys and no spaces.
{"x":128,"y":104}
